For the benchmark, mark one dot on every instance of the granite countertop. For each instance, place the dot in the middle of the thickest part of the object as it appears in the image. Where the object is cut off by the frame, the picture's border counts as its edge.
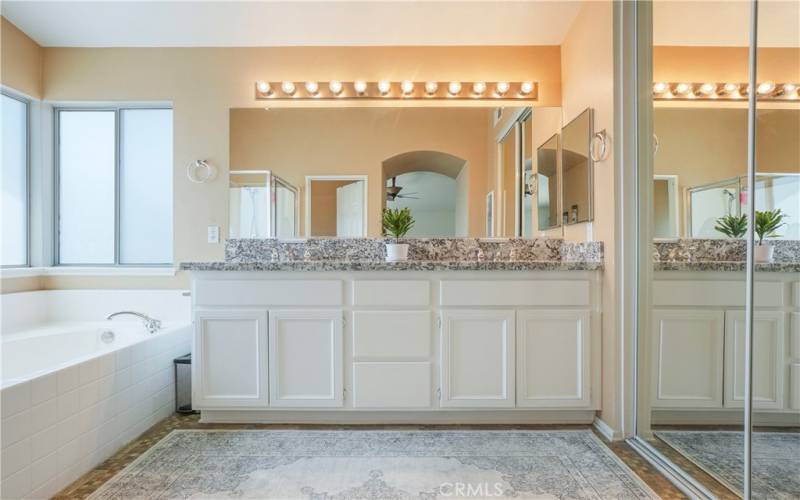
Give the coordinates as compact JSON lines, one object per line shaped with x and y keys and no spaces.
{"x":775,"y":267}
{"x":409,"y":265}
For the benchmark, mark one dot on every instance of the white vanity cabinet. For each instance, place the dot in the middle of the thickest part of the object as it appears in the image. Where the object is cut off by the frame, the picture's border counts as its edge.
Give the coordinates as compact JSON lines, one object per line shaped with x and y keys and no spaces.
{"x":448,"y":346}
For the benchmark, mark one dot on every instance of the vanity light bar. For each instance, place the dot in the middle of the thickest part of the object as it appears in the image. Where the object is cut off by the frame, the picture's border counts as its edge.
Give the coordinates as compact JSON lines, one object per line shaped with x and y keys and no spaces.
{"x":768,"y":91}
{"x":389,"y":90}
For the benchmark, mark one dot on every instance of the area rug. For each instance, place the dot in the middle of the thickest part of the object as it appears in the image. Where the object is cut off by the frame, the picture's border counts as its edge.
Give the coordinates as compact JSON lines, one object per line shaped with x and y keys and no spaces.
{"x":366,"y":464}
{"x":776,"y":459}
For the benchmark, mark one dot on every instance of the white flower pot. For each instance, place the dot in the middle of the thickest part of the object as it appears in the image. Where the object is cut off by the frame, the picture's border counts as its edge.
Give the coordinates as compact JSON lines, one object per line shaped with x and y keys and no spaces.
{"x":396,"y":252}
{"x":763,"y":253}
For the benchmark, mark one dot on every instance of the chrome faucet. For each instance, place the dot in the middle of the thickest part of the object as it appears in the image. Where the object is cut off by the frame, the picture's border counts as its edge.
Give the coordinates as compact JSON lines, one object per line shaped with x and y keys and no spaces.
{"x":152,"y":325}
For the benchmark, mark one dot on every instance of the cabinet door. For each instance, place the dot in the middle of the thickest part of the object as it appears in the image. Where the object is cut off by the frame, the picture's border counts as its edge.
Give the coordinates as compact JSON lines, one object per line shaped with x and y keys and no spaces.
{"x":769,"y":367}
{"x":229,"y":368}
{"x":553,"y":359}
{"x":477,"y":358}
{"x":687,"y":348}
{"x":305,"y":353}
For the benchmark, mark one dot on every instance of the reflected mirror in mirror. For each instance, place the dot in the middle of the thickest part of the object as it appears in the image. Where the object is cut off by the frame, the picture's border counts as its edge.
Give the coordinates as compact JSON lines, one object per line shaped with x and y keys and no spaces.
{"x":665,"y":206}
{"x":547,"y":175}
{"x":347,"y":164}
{"x":576,"y":169}
{"x":261,"y":205}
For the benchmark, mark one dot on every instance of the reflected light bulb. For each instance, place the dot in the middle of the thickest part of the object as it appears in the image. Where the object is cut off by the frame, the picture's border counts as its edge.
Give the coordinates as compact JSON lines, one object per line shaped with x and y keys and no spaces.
{"x":707,"y":88}
{"x":288,"y":88}
{"x":312,"y":88}
{"x":730,"y":88}
{"x":384,"y":87}
{"x":660,"y":87}
{"x":454,"y":88}
{"x":526,"y":88}
{"x":407,"y":87}
{"x":360,"y":86}
{"x":431,"y":87}
{"x":501,"y":88}
{"x":765,"y":88}
{"x":478,"y":88}
{"x":683,"y":88}
{"x":264,"y":87}
{"x":335,"y":86}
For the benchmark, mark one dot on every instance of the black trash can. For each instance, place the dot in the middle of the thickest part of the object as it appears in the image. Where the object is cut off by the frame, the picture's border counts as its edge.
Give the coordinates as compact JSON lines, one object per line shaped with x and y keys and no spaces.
{"x":183,"y":384}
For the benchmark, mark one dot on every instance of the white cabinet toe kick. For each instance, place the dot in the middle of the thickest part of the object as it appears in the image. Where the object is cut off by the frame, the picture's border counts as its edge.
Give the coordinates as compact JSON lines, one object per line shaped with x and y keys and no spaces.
{"x":397,"y":347}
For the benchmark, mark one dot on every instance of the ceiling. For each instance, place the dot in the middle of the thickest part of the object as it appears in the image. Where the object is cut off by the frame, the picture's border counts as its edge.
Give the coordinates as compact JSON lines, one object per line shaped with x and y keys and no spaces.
{"x":232,"y":23}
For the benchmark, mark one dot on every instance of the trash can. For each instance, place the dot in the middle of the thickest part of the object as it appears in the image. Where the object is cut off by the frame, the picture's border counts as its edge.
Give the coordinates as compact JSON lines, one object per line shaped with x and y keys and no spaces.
{"x":183,"y":384}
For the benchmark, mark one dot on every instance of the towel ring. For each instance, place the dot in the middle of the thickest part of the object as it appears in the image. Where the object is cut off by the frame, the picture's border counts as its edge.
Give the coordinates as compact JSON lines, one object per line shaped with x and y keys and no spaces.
{"x":600,"y":138}
{"x":201,"y":171}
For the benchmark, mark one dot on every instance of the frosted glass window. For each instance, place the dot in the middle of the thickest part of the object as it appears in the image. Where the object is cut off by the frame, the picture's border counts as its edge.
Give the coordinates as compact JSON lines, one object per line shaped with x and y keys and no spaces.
{"x":86,"y":193}
{"x":14,"y":182}
{"x":145,"y":203}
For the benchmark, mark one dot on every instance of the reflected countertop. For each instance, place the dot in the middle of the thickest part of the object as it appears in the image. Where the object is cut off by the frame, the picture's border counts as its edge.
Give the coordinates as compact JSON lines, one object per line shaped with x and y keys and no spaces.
{"x":775,"y":267}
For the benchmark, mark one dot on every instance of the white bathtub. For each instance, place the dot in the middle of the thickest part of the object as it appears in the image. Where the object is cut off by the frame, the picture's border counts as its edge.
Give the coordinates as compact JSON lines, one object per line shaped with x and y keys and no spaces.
{"x":72,"y":396}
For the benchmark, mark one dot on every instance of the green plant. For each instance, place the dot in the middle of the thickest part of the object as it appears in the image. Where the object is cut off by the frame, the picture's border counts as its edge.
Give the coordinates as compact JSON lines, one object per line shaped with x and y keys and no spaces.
{"x":397,"y":222}
{"x":732,"y":226}
{"x":767,"y":223}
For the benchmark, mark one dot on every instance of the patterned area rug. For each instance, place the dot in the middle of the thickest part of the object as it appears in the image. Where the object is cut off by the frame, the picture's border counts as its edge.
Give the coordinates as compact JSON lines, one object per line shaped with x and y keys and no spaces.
{"x":346,"y":464}
{"x":776,"y":459}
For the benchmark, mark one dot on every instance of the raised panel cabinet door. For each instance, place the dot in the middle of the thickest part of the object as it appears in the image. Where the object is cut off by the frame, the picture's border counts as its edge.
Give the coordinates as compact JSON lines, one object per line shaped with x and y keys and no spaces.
{"x":305,"y":358}
{"x":553,"y":358}
{"x":477,"y":366}
{"x":769,"y":364}
{"x":686,"y":350}
{"x":229,"y":368}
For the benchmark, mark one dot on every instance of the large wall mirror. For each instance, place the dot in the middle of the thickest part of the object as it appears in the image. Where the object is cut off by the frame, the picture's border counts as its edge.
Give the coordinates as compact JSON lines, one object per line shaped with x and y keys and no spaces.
{"x":576,"y":169}
{"x":329,"y":172}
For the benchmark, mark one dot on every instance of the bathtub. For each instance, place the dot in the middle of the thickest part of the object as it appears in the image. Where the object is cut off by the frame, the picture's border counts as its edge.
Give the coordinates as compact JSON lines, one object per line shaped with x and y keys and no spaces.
{"x":76,"y":387}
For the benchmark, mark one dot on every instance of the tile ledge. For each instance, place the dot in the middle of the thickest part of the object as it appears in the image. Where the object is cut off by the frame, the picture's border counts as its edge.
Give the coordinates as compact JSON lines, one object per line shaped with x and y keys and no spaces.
{"x":32,"y":272}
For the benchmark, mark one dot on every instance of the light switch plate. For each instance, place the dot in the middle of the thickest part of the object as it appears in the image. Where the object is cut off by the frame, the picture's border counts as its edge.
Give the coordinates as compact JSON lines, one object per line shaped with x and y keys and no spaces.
{"x":213,"y":234}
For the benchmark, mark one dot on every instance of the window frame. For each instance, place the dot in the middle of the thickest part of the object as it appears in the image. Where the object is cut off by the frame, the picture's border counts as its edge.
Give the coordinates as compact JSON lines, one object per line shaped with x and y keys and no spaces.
{"x":11,"y":94}
{"x":117,"y":110}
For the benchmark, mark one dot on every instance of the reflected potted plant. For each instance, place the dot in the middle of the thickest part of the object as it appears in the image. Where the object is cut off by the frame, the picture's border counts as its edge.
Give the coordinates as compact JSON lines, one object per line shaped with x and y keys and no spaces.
{"x":397,"y":223}
{"x":732,"y":226}
{"x":767,"y":224}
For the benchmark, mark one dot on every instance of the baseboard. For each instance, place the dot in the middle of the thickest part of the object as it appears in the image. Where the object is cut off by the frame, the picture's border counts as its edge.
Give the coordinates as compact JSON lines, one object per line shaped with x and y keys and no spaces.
{"x":606,"y":430}
{"x":722,"y":417}
{"x":517,"y":417}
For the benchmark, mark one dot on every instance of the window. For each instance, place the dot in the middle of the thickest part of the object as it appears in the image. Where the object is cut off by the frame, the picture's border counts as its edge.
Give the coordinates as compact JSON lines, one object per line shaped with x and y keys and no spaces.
{"x":14,"y":182}
{"x":114,"y":186}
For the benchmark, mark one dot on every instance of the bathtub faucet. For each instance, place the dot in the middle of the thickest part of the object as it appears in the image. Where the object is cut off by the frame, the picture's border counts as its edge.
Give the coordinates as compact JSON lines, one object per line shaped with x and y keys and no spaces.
{"x":152,"y":325}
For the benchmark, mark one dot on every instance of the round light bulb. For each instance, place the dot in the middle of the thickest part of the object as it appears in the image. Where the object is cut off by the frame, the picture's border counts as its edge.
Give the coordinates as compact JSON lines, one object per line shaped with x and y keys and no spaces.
{"x":478,"y":88}
{"x":526,"y":88}
{"x":264,"y":87}
{"x":360,"y":86}
{"x":312,"y":88}
{"x":708,"y":88}
{"x":335,"y":86}
{"x":502,"y":87}
{"x":288,"y":88}
{"x":683,"y":88}
{"x":730,"y":88}
{"x":660,"y":87}
{"x":431,"y":87}
{"x":788,"y":88}
{"x":407,"y":87}
{"x":454,"y":88}
{"x":765,"y":88}
{"x":384,"y":87}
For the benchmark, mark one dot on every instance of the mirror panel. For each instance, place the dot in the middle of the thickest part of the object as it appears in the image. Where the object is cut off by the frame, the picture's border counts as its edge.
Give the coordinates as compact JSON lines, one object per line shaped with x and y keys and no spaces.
{"x":576,"y":169}
{"x":547,"y":184}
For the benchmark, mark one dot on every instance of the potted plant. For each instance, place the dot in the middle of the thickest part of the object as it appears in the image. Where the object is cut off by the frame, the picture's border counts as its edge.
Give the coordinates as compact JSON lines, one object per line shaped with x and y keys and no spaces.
{"x":396,"y":223}
{"x":732,"y":226}
{"x":767,"y":224}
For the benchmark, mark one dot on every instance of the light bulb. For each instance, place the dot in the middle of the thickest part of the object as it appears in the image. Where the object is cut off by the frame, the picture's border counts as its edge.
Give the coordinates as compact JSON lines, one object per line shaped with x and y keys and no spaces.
{"x":788,"y":88}
{"x":360,"y":86}
{"x":501,"y":88}
{"x":708,"y":88}
{"x":335,"y":86}
{"x":525,"y":88}
{"x":454,"y":88}
{"x":264,"y":87}
{"x":660,"y":87}
{"x":288,"y":88}
{"x":765,"y":88}
{"x":384,"y":87}
{"x":407,"y":87}
{"x":683,"y":88}
{"x":431,"y":87}
{"x":730,"y":88}
{"x":478,"y":88}
{"x":312,"y":88}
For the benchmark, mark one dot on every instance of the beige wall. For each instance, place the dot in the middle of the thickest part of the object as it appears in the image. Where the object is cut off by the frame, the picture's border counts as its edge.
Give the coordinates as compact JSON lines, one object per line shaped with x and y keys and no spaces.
{"x":587,"y":77}
{"x":20,"y":61}
{"x":355,"y":141}
{"x":723,"y":64}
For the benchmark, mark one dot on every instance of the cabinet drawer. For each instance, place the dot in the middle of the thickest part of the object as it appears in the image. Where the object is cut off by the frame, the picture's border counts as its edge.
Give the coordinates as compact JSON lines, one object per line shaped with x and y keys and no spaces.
{"x":391,"y":335}
{"x":391,"y":293}
{"x":715,"y":293}
{"x":392,"y":385}
{"x":268,"y":293}
{"x":515,"y":293}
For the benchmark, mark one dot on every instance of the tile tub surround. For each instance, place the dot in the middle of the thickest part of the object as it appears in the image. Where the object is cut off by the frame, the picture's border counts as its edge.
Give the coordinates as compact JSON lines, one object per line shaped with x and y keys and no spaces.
{"x":58,"y":426}
{"x":721,"y":255}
